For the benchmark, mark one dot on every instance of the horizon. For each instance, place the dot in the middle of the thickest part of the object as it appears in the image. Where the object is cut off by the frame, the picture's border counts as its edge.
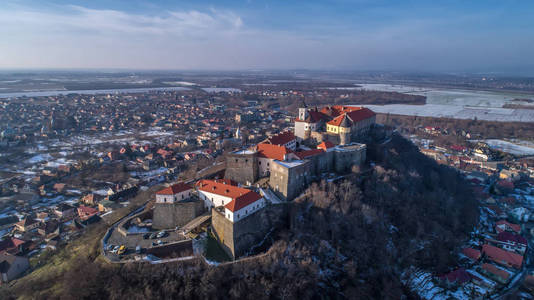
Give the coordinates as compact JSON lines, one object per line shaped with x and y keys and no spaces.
{"x":361,"y":36}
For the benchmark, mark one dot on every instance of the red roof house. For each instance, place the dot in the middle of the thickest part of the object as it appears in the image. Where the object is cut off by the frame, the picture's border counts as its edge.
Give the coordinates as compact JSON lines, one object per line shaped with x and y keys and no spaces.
{"x":504,"y":225}
{"x":503,"y":257}
{"x":85,"y":212}
{"x":472,"y":253}
{"x":456,"y":277}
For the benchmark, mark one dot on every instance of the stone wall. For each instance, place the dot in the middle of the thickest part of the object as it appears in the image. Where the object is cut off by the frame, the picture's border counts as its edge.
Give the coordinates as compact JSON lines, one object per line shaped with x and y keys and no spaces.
{"x":289,"y":182}
{"x":242,"y":168}
{"x":180,"y":248}
{"x":237,"y":238}
{"x":346,"y":157}
{"x":170,"y":215}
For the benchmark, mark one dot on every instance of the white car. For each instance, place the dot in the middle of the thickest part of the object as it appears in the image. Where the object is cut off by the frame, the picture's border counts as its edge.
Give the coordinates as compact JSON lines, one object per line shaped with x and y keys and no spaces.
{"x":115,"y":250}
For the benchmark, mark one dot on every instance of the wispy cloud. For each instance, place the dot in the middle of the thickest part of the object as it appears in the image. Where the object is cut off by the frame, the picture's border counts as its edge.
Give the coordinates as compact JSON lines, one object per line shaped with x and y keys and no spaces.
{"x":77,"y":18}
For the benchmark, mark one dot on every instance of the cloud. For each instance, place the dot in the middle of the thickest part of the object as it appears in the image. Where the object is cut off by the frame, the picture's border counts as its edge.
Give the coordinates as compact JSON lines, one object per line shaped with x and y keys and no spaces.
{"x":81,"y":19}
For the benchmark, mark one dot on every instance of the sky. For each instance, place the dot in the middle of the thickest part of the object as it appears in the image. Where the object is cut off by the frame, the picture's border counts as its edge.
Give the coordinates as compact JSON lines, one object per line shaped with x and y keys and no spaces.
{"x":365,"y":35}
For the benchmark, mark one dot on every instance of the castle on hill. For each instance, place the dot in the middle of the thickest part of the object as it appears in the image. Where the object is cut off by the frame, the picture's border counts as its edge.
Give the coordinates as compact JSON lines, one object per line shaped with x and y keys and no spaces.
{"x":290,"y":165}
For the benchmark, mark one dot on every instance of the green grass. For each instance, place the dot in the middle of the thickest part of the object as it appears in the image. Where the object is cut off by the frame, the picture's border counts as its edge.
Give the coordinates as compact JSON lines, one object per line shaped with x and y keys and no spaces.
{"x":214,"y":251}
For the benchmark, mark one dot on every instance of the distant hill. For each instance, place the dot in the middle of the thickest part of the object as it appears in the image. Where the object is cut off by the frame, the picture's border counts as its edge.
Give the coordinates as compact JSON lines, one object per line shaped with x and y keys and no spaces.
{"x":347,"y":239}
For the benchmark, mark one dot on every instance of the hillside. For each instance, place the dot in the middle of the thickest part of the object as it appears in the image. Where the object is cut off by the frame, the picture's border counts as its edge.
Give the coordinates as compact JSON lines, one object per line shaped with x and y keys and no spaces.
{"x":347,"y":239}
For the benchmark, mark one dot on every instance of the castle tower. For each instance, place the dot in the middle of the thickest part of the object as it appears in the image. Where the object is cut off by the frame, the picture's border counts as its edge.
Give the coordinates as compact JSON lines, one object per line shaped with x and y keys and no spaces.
{"x":303,"y":113}
{"x":303,"y":110}
{"x":344,"y":131}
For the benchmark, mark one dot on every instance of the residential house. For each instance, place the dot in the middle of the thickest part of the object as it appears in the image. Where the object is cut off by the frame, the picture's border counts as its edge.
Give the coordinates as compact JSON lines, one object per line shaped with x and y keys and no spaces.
{"x":455,"y":278}
{"x":27,"y":224}
{"x":64,"y":210}
{"x":473,"y":254}
{"x":503,"y":257}
{"x":86,"y":212}
{"x":512,"y":242}
{"x":49,"y":228}
{"x":504,"y":225}
{"x":286,"y":139}
{"x":14,"y":245}
{"x":495,"y":273}
{"x":174,"y":193}
{"x":91,"y":199}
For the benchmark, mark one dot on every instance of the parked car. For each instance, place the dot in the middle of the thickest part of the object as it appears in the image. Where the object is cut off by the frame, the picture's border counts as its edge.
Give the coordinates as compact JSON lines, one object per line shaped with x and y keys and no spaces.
{"x":153,"y":236}
{"x":121,"y":250}
{"x":138,"y":249}
{"x":160,"y":242}
{"x":115,"y":250}
{"x":110,"y":248}
{"x":146,"y":236}
{"x":161,"y":234}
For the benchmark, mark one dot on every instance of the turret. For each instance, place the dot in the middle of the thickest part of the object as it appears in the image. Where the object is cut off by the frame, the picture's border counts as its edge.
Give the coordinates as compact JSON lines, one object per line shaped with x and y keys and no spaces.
{"x":303,"y":113}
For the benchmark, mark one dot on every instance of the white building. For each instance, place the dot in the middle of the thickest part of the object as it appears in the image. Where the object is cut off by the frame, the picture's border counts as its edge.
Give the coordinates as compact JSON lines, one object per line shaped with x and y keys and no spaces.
{"x":174,"y":193}
{"x":238,"y":202}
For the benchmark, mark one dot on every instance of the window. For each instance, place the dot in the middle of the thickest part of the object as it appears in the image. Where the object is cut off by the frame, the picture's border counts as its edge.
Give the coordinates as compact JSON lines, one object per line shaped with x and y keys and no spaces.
{"x":236,"y":160}
{"x":259,"y":163}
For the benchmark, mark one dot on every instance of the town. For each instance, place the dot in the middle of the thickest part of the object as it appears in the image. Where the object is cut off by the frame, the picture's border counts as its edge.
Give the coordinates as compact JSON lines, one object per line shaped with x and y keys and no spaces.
{"x":178,"y":175}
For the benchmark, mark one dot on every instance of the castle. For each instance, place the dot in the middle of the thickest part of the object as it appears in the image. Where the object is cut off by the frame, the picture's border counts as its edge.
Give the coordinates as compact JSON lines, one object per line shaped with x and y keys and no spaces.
{"x":290,"y":165}
{"x":339,"y":124}
{"x":323,"y":142}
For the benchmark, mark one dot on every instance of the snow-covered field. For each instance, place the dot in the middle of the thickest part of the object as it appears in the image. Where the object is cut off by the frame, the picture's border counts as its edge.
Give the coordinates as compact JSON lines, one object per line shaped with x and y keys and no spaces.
{"x":456,"y":112}
{"x":455,"y":97}
{"x":508,"y":147}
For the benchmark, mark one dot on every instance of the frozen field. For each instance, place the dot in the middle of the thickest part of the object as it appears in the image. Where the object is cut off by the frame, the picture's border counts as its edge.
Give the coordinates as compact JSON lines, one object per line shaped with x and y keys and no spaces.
{"x":87,"y":92}
{"x":457,"y":112}
{"x":454,"y":97}
{"x":511,"y":148}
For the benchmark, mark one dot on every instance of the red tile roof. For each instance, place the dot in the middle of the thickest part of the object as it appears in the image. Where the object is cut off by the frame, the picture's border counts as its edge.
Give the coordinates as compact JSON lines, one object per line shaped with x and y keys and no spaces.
{"x":355,"y":115}
{"x":314,"y":117}
{"x":472,"y":253}
{"x":496,"y":271}
{"x":337,"y":120}
{"x":502,"y":256}
{"x":10,"y":243}
{"x":174,"y":189}
{"x":272,"y":151}
{"x":308,"y":153}
{"x":510,"y":237}
{"x":241,"y":197}
{"x":337,"y":110}
{"x":507,"y":225}
{"x":242,"y":201}
{"x":325,"y":145}
{"x":281,"y":138}
{"x":86,"y":211}
{"x":458,"y":276}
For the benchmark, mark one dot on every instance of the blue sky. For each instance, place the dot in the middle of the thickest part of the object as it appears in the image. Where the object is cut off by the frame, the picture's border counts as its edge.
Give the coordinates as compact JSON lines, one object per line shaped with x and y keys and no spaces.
{"x":229,"y":35}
